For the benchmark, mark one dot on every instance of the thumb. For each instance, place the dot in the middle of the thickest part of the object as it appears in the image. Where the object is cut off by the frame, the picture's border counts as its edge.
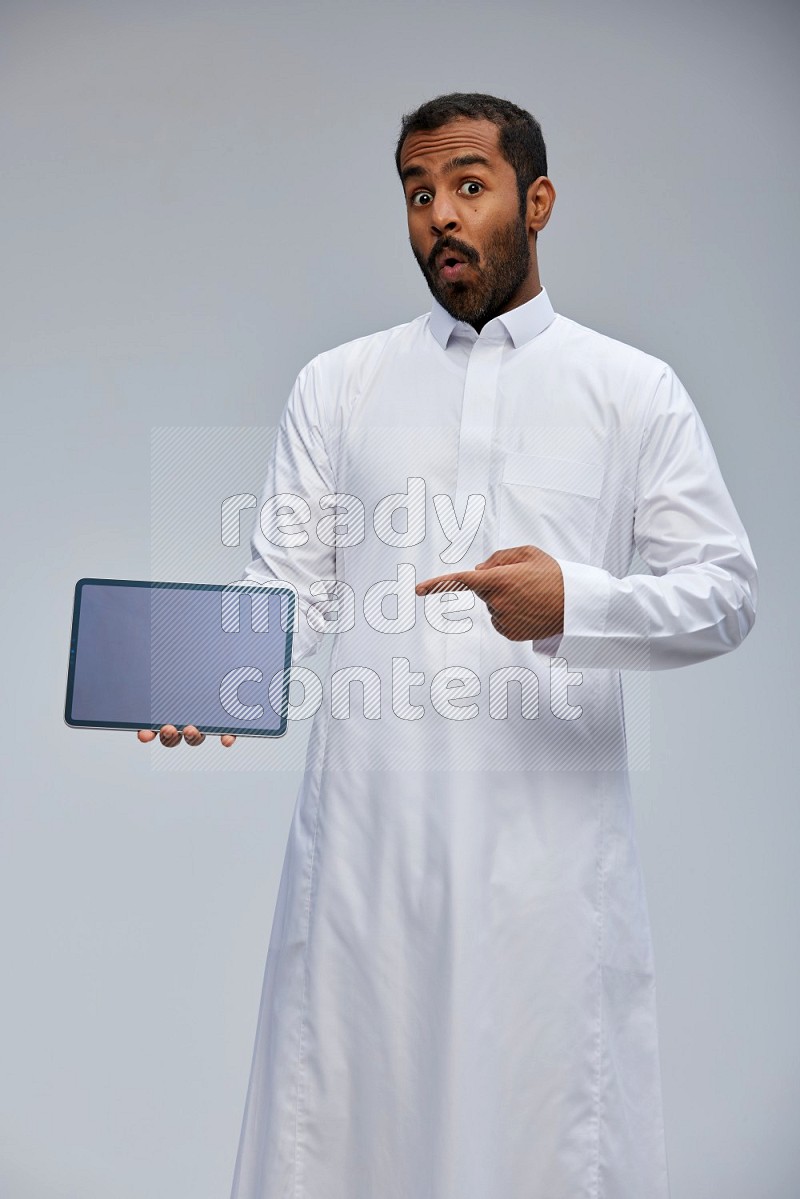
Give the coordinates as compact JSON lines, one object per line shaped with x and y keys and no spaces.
{"x":518,"y":553}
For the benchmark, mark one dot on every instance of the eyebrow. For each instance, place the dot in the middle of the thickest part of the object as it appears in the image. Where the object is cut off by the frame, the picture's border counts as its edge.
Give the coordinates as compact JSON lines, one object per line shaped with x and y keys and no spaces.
{"x":454,"y":164}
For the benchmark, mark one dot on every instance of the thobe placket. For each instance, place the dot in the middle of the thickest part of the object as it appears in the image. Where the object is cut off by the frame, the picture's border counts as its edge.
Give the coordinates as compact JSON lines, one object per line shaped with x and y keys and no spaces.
{"x":481,"y":388}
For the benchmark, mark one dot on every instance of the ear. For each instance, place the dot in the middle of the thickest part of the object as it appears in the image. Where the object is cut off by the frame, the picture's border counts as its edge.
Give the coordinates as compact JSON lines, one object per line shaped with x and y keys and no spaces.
{"x":541,"y":198}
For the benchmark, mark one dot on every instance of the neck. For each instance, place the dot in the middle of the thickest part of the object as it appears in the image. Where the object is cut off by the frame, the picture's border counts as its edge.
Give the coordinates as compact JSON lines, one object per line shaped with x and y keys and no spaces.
{"x":530,"y":287}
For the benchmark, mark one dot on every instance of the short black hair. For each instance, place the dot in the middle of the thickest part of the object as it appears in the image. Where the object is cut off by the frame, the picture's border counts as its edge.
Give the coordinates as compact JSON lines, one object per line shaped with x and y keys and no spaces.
{"x":521,"y":142}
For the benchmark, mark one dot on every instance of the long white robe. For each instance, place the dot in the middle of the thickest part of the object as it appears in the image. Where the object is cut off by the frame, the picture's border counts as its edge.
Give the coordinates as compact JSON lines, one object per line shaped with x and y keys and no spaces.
{"x":459,"y":996}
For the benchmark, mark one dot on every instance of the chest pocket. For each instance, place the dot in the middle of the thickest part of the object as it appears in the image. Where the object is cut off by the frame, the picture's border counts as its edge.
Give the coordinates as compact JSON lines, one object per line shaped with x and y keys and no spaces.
{"x":551,"y":503}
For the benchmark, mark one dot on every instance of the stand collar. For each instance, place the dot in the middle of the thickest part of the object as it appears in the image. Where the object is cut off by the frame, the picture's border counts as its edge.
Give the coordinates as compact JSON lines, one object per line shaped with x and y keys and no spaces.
{"x":521,"y":324}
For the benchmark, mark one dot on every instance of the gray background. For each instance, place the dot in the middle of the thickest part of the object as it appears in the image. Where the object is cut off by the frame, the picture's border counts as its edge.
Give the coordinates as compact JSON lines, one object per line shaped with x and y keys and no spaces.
{"x":196,"y":199}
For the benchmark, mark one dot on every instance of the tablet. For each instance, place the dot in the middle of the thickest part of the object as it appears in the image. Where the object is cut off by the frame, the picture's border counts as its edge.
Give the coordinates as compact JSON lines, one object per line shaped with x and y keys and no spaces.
{"x":145,"y":654}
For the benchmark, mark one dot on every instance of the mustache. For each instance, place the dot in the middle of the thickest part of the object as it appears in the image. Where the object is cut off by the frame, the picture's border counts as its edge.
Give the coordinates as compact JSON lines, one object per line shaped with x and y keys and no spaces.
{"x":452,"y":243}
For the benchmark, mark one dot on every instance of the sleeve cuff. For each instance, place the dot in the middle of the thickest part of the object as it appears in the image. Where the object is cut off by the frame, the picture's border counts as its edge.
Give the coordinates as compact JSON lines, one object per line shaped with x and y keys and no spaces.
{"x":587,"y":590}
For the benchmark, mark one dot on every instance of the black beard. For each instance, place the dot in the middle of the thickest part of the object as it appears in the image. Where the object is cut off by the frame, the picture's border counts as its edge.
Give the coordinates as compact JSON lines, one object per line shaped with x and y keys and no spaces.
{"x":508,"y":260}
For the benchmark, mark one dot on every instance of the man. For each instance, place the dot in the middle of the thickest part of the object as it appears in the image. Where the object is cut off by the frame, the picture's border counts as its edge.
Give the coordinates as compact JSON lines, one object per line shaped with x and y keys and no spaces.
{"x":459,"y":993}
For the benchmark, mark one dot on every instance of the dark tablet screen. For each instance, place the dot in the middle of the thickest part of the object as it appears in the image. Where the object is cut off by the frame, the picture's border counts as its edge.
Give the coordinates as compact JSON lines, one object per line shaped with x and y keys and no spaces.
{"x":213,"y":655}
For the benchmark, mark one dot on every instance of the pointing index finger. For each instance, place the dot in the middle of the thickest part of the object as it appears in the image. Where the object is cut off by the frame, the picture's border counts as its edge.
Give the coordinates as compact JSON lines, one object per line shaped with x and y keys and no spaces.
{"x":467,"y":580}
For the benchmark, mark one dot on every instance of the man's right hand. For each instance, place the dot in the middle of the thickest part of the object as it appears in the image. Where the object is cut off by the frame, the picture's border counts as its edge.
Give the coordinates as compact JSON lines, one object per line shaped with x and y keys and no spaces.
{"x":170,"y":736}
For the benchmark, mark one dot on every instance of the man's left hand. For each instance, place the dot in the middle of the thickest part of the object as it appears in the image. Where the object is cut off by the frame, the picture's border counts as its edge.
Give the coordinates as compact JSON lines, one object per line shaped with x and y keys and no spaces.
{"x":523,"y":589}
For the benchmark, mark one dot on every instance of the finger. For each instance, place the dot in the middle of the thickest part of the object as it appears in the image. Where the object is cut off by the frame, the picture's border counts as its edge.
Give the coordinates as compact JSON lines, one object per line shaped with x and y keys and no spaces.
{"x":439,"y":583}
{"x":227,"y":739}
{"x":170,"y":736}
{"x":146,"y":735}
{"x":464,"y":581}
{"x":193,"y":736}
{"x":505,"y":557}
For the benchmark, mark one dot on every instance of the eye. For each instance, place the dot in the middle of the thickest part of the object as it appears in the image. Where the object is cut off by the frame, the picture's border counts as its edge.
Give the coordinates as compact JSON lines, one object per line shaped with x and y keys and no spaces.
{"x":472,"y":183}
{"x":418,"y":198}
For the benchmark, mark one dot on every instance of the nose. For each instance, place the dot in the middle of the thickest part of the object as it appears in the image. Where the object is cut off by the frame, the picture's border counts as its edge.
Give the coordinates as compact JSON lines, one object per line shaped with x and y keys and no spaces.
{"x":443,"y":214}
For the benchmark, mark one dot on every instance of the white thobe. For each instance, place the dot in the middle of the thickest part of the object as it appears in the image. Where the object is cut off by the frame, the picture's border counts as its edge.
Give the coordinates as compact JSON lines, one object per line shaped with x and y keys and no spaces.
{"x":459,"y":997}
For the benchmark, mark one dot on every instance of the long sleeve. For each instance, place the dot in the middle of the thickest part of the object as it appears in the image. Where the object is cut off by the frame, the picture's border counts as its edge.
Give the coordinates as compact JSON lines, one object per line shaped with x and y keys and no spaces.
{"x":285,"y":544}
{"x":700,"y":600}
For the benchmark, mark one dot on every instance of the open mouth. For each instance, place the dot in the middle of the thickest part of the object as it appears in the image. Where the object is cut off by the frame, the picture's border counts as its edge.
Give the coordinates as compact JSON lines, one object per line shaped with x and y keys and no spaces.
{"x":452,"y":269}
{"x":451,"y":265}
{"x":450,"y":258}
